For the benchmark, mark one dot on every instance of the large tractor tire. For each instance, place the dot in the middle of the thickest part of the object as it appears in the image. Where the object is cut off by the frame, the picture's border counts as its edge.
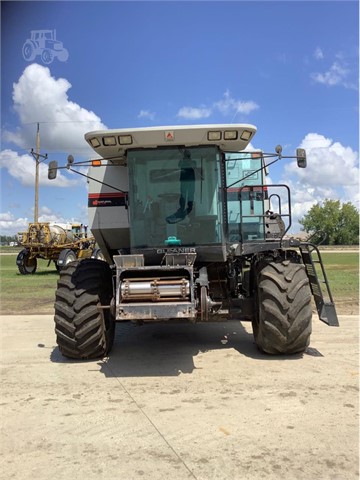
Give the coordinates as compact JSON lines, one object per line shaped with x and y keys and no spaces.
{"x":282,"y":323}
{"x":84,"y":329}
{"x":26,"y":264}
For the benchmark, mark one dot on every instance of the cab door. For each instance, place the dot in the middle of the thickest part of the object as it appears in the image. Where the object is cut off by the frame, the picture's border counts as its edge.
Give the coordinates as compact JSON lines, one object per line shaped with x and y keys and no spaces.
{"x":246,"y":197}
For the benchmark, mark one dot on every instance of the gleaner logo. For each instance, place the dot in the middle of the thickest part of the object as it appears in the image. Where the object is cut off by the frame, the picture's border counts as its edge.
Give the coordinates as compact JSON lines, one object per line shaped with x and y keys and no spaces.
{"x":176,"y":250}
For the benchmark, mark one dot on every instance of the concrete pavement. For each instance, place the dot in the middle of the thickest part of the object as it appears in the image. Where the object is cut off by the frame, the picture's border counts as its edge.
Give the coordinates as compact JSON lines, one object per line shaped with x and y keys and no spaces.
{"x":179,"y":402}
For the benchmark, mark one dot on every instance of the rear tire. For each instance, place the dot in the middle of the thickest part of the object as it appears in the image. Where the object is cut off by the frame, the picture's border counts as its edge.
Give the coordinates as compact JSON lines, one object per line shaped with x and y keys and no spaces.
{"x":282,"y":323}
{"x":83,"y":330}
{"x":26,"y":265}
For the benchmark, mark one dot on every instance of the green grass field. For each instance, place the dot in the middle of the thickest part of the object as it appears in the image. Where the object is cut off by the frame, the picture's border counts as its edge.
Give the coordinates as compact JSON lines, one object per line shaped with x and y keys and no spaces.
{"x":34,"y":294}
{"x":342,"y":270}
{"x":26,"y":293}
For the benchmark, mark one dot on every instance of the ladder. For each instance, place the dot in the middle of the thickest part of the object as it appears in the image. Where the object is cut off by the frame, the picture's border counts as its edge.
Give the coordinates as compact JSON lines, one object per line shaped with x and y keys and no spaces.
{"x":319,"y":284}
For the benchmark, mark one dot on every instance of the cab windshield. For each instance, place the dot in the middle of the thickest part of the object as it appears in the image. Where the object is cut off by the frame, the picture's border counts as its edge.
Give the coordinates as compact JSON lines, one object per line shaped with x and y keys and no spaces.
{"x":174,"y":196}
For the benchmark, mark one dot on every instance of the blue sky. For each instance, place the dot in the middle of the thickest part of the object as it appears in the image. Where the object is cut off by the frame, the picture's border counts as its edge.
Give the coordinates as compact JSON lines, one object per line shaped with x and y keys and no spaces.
{"x":289,"y":67}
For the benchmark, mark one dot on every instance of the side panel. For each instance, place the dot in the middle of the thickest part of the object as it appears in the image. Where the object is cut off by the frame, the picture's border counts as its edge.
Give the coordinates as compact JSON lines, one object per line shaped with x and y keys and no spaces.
{"x":107,"y":208}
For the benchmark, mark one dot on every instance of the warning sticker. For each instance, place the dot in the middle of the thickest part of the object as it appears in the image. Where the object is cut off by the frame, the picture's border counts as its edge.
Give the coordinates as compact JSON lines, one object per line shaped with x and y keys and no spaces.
{"x":169,"y":135}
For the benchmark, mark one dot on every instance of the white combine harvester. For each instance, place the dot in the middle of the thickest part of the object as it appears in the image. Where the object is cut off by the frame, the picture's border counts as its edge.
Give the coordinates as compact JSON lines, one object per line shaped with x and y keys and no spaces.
{"x":189,"y":231}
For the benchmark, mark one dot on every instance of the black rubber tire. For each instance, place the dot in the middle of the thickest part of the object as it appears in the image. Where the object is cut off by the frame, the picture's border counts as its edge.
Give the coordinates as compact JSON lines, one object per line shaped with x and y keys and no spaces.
{"x":282,"y":323}
{"x":82,"y":329}
{"x":66,"y":256}
{"x":26,"y":265}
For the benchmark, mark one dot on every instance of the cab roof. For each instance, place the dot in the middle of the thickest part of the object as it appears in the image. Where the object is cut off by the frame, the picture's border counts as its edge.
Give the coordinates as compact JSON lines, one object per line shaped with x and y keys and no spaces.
{"x":115,"y":143}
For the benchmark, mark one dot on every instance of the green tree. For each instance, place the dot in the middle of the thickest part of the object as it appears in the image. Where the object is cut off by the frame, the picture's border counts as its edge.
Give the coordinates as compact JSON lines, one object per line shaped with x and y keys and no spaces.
{"x":339,"y":221}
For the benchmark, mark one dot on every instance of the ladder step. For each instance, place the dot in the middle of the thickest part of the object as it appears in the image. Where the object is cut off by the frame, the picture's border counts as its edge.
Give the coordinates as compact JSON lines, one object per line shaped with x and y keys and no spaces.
{"x":328,"y":314}
{"x":326,"y":309}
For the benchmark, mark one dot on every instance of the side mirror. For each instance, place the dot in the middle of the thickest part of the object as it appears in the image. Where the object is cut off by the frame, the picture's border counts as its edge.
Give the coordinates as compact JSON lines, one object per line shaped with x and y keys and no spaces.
{"x":52,"y":172}
{"x":301,"y":157}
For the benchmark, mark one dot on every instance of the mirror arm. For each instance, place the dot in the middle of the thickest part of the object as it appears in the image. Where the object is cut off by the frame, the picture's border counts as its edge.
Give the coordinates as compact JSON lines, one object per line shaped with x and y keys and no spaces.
{"x":95,"y":180}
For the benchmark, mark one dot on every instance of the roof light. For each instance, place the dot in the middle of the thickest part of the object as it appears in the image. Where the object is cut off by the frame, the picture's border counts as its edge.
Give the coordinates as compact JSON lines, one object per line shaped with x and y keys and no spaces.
{"x":213,"y":136}
{"x":109,"y":141}
{"x":256,"y":155}
{"x":96,"y":163}
{"x":94,"y":142}
{"x":230,"y":135}
{"x":246,"y":135}
{"x":125,"y":140}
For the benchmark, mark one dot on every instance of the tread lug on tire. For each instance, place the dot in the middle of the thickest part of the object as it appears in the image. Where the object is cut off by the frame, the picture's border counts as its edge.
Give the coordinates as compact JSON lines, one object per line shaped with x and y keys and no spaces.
{"x":282,"y":323}
{"x":83,"y":330}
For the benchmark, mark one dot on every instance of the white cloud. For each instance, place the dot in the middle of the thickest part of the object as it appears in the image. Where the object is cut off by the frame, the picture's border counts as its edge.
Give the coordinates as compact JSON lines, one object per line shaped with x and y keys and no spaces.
{"x":332,"y":172}
{"x":39,"y":97}
{"x":194,"y":113}
{"x":9,"y":225}
{"x":146,"y":114}
{"x":336,"y":75}
{"x":22,"y":167}
{"x":231,"y":106}
{"x":318,"y":54}
{"x":228,"y":105}
{"x":330,"y":164}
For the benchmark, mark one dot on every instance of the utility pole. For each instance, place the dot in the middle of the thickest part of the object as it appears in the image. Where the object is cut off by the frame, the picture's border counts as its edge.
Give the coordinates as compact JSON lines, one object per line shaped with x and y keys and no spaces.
{"x":37,"y":157}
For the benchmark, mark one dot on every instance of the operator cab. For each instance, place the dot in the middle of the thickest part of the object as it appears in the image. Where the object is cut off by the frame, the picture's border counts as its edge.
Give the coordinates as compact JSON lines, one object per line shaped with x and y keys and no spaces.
{"x":177,"y":186}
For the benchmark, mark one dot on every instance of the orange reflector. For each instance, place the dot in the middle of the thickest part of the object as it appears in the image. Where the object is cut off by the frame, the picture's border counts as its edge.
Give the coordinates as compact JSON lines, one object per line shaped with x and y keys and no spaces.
{"x":256,"y":155}
{"x":96,"y":163}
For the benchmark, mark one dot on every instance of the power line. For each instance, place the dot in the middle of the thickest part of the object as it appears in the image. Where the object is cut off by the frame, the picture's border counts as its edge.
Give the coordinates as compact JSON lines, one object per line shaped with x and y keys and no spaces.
{"x":63,"y":121}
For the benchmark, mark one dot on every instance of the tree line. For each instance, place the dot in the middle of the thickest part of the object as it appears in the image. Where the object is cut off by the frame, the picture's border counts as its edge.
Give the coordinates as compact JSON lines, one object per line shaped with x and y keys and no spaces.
{"x":339,"y":222}
{"x":5,"y":239}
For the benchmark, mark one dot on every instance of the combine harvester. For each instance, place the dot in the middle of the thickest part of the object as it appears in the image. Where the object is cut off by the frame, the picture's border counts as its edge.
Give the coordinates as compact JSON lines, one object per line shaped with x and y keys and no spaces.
{"x":189,"y":231}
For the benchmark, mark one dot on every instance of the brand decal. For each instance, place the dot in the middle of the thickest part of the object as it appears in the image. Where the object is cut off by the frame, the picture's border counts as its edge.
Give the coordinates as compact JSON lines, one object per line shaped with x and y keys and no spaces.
{"x":162,"y":251}
{"x":107,"y":199}
{"x":169,"y":135}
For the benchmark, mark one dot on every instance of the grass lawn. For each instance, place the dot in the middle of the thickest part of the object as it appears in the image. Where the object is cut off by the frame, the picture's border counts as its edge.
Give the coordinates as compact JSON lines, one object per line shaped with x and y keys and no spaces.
{"x":342,"y":270}
{"x":36,"y":293}
{"x":26,"y":293}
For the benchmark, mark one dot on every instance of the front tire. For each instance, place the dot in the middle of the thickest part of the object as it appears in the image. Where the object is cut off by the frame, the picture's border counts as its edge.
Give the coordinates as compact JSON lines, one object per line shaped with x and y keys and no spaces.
{"x":26,"y":264}
{"x":84,"y":329}
{"x":282,"y":323}
{"x":66,"y":256}
{"x":96,"y":253}
{"x":63,"y":55}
